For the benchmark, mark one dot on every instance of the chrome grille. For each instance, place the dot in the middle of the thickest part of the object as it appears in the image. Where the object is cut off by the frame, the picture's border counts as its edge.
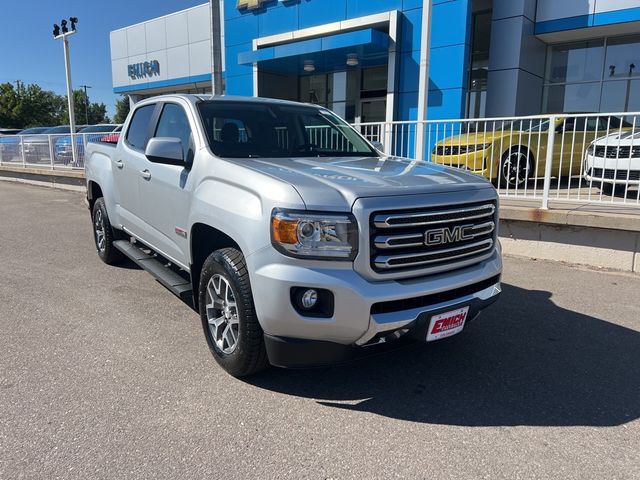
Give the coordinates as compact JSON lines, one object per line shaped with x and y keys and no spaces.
{"x":431,"y":237}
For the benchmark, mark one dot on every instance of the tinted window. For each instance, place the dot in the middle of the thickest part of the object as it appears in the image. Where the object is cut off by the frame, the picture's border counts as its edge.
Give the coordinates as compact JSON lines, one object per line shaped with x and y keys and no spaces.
{"x":174,"y":123}
{"x":139,"y":126}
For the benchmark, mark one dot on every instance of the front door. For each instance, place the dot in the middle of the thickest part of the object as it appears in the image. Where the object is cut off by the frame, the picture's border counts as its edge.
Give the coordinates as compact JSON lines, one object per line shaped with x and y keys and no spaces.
{"x":164,"y":190}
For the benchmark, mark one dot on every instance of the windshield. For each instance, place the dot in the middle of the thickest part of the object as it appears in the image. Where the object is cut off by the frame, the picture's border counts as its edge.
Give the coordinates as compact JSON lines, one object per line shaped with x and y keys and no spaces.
{"x":254,"y":130}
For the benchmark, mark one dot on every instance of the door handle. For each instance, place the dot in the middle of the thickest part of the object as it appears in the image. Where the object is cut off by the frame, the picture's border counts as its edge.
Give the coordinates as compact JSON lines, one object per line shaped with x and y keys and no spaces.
{"x":119,"y":164}
{"x":146,"y":174}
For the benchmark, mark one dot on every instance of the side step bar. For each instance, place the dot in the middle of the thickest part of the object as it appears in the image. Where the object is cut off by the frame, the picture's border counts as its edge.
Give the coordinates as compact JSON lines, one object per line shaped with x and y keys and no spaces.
{"x":173,"y":281}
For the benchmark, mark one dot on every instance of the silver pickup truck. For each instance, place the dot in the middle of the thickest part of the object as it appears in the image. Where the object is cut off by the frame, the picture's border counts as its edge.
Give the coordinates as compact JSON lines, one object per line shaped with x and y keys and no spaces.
{"x":297,"y":241}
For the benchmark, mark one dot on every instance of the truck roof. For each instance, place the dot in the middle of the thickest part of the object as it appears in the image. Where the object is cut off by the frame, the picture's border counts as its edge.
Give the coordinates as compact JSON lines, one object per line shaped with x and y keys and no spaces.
{"x":192,"y":98}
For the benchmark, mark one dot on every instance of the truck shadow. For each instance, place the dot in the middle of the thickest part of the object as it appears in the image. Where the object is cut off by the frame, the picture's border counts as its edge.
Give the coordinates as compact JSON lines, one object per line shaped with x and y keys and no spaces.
{"x":525,"y":361}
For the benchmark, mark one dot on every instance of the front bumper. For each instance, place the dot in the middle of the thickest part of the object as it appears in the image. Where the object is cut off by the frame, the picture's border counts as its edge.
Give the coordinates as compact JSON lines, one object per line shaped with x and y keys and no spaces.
{"x":358,"y":322}
{"x":386,"y":332}
{"x":619,"y":171}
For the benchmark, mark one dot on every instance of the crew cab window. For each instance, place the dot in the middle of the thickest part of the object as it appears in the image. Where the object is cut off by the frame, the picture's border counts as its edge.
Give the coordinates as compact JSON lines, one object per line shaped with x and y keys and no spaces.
{"x":139,"y":127}
{"x":174,"y":123}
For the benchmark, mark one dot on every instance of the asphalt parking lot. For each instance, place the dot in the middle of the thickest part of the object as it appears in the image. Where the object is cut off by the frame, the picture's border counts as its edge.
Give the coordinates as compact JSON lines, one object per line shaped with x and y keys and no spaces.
{"x":104,"y":374}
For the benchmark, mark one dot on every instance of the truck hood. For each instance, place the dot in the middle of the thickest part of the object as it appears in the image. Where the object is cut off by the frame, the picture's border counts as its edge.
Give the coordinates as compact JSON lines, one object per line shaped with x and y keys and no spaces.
{"x":337,"y":182}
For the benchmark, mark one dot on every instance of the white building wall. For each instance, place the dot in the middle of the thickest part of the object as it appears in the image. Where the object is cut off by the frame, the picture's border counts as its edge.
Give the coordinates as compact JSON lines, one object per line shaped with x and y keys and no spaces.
{"x":558,"y":9}
{"x":180,"y":42}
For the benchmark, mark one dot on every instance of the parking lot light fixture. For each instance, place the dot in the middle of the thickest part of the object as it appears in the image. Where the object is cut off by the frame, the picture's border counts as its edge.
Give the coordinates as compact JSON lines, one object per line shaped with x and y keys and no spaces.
{"x":67,"y":64}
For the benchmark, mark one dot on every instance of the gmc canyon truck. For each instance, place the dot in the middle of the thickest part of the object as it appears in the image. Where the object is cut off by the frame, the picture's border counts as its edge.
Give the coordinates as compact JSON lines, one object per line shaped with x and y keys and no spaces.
{"x":298,"y":242}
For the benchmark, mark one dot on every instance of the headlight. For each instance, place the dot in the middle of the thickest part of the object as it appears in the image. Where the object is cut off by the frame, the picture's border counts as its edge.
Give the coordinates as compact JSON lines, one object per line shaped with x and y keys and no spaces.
{"x":319,"y":236}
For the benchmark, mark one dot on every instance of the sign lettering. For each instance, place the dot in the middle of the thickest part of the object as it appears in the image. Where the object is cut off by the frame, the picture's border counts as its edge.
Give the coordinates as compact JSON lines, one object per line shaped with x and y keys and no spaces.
{"x":143,"y":69}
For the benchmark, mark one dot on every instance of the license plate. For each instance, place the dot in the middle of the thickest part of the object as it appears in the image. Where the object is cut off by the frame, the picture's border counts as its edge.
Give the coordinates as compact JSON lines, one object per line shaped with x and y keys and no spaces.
{"x":447,"y":324}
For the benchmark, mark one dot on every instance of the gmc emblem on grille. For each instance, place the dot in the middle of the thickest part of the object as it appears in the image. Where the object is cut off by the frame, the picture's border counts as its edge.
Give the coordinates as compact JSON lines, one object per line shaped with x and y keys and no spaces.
{"x":440,"y":236}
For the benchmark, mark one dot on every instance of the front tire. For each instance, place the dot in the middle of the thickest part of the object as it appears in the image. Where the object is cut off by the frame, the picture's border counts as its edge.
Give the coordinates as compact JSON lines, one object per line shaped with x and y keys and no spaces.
{"x":103,"y":234}
{"x":516,"y":167}
{"x":228,"y":315}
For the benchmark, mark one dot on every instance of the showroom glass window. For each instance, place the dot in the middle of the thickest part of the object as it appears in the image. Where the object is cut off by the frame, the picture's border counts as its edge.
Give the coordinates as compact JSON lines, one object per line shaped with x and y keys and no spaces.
{"x":593,"y":76}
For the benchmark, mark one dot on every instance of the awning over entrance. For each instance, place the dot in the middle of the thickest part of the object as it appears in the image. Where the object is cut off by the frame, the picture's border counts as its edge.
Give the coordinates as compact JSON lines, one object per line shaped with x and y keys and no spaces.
{"x":327,"y":53}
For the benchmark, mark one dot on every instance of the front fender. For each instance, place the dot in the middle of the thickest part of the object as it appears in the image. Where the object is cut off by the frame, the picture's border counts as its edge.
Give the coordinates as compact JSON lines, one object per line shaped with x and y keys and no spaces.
{"x":239,"y":211}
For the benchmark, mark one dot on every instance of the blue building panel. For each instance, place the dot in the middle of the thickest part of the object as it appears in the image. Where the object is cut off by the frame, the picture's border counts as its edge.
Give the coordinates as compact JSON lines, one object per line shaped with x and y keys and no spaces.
{"x":410,"y":31}
{"x":449,"y":66}
{"x":240,"y":85}
{"x":241,"y":30}
{"x":450,"y":24}
{"x":283,"y":18}
{"x":314,"y":13}
{"x":449,"y":56}
{"x":408,"y":80}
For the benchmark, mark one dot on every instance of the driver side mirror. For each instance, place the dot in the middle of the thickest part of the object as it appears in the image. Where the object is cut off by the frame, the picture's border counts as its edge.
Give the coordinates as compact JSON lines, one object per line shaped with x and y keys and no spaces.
{"x":165,"y":150}
{"x":378,"y":146}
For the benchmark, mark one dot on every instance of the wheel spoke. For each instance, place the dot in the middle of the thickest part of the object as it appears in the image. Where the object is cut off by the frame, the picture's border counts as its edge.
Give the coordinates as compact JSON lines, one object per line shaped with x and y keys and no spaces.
{"x":216,"y":322}
{"x":228,"y":337}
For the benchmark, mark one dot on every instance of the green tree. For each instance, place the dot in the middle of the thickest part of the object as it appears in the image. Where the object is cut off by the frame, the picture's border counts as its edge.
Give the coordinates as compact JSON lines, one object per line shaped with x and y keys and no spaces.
{"x":40,"y":107}
{"x":122,"y":109}
{"x":9,"y":101}
{"x":96,"y":112}
{"x":29,"y":106}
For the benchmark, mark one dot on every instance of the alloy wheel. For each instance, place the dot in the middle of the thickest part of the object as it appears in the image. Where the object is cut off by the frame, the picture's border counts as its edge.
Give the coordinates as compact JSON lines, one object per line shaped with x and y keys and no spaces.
{"x":99,"y":231}
{"x":515,"y":168}
{"x":222,"y":314}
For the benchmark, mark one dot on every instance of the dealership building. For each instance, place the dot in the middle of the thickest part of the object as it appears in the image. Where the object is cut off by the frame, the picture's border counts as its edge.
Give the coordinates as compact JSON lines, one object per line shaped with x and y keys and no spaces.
{"x":374,"y":60}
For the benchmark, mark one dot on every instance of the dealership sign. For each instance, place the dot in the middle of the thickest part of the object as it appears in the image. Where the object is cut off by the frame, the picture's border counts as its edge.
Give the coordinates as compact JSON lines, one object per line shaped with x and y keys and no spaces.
{"x":143,"y":69}
{"x":253,"y":4}
{"x":250,"y":4}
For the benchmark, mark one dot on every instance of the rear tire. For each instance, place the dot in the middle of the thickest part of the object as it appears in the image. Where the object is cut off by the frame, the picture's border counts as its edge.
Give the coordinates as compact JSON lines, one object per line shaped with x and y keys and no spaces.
{"x":103,"y":234}
{"x":607,"y":188}
{"x":228,"y":314}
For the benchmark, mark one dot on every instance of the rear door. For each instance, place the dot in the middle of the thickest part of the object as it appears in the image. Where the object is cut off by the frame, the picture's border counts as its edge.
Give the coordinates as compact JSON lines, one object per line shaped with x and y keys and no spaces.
{"x":165,"y":189}
{"x":128,"y":163}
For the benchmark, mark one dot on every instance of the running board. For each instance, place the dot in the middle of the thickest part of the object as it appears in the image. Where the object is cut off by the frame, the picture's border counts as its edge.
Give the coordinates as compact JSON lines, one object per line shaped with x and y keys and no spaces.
{"x":173,"y":281}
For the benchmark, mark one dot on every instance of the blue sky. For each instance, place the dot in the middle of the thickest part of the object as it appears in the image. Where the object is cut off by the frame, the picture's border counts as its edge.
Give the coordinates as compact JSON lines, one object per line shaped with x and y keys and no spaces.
{"x":32,"y":55}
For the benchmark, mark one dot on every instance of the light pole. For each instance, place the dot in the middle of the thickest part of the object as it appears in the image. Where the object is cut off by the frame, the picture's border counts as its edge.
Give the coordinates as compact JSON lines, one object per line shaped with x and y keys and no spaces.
{"x":423,"y":89}
{"x":86,"y":103}
{"x":62,"y":32}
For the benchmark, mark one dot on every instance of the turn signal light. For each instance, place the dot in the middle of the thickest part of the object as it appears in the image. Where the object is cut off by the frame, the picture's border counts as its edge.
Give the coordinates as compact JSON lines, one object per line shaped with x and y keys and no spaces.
{"x":284,"y":231}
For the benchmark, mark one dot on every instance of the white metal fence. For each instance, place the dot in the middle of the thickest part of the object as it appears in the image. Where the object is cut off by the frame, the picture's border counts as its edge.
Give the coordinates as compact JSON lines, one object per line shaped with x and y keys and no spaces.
{"x":46,"y":150}
{"x":575,"y":158}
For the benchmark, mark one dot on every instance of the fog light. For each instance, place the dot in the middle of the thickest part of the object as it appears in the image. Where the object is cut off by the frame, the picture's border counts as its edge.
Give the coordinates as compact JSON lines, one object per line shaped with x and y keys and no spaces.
{"x":309,"y":299}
